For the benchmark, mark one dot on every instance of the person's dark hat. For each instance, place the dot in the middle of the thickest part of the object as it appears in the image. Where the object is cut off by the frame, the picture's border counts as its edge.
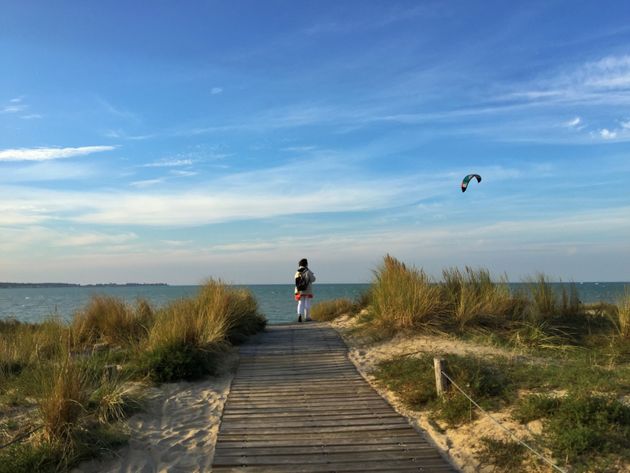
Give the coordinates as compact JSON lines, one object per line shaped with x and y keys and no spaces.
{"x":303,"y":262}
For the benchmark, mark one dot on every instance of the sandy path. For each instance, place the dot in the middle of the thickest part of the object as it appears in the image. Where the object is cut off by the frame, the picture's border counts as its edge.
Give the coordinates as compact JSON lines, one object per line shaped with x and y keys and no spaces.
{"x":176,"y":433}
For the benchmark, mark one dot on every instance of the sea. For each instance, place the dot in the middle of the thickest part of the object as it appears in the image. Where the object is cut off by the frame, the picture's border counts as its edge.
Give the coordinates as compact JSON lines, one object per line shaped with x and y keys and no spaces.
{"x":275,"y":301}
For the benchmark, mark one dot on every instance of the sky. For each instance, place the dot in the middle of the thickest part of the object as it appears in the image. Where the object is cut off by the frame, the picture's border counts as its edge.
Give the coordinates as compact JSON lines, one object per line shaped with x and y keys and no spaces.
{"x":175,"y":141}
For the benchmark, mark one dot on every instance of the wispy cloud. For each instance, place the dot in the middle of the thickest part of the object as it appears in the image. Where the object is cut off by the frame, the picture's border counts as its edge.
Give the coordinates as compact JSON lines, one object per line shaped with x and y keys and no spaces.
{"x":89,"y":239}
{"x":14,"y":105}
{"x":180,"y":173}
{"x":167,"y":163}
{"x":147,"y":183}
{"x":573,"y":123}
{"x":607,"y":134}
{"x":216,"y":90}
{"x":605,"y":81}
{"x":250,"y":195}
{"x":117,"y":111}
{"x":119,"y":134}
{"x":13,"y":108}
{"x":46,"y":154}
{"x":375,"y":20}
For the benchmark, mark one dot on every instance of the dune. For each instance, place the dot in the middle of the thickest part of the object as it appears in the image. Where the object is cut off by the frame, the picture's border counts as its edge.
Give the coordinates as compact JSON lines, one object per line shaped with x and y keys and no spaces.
{"x":460,"y":444}
{"x":176,"y":432}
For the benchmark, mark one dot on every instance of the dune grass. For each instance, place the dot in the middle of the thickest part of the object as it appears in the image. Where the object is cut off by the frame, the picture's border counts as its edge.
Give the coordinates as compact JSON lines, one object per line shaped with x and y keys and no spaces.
{"x":76,"y":382}
{"x":622,"y":321}
{"x":579,"y":352}
{"x":403,"y":297}
{"x":112,"y":321}
{"x":470,"y":303}
{"x":471,"y":296}
{"x":330,"y":310}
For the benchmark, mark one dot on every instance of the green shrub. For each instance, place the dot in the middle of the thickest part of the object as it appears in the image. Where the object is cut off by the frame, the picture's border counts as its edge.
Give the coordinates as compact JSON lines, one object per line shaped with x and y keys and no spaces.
{"x":535,"y":406}
{"x":29,"y":458}
{"x":585,"y":424}
{"x":507,"y":455}
{"x":413,"y":381}
{"x":178,"y":361}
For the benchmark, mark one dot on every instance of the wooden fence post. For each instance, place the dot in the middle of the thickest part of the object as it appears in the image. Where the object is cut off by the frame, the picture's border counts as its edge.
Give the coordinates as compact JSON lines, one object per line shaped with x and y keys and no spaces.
{"x":441,"y":383}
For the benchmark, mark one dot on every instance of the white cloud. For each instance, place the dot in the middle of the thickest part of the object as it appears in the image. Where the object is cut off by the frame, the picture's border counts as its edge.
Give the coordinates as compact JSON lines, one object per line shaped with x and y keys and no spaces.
{"x":184,"y":173}
{"x":119,"y":134}
{"x":573,"y":123}
{"x":166,"y":163}
{"x":89,"y":239}
{"x":605,"y":81}
{"x":48,"y":171}
{"x":612,"y":72}
{"x":216,"y":90}
{"x":147,"y":183}
{"x":31,"y":116}
{"x":45,"y":154}
{"x":13,"y":108}
{"x":15,"y":105}
{"x":607,"y":134}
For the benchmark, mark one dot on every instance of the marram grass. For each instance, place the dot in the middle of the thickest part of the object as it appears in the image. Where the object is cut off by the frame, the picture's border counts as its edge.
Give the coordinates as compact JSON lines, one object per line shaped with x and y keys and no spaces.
{"x":80,"y":400}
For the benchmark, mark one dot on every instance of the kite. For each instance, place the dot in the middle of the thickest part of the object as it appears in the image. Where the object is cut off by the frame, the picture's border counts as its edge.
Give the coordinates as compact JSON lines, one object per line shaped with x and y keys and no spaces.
{"x":467,"y":180}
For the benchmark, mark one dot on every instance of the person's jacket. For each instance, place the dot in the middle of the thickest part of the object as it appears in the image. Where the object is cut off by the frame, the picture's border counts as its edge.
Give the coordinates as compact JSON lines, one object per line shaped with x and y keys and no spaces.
{"x":311,"y":279}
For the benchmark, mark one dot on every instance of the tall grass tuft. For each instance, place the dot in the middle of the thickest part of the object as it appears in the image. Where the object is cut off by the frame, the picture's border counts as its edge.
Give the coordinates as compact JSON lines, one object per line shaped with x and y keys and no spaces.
{"x":63,"y":405}
{"x":233,"y":308}
{"x":402,"y":297}
{"x":24,"y":344}
{"x":542,"y":296}
{"x":623,"y":315}
{"x":472,"y":295}
{"x":571,"y":304}
{"x":188,"y":333}
{"x":111,"y":320}
{"x":330,"y":310}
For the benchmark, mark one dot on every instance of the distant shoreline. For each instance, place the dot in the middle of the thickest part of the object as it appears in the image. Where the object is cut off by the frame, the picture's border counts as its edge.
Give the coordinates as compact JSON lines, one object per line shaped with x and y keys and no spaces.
{"x":11,"y":285}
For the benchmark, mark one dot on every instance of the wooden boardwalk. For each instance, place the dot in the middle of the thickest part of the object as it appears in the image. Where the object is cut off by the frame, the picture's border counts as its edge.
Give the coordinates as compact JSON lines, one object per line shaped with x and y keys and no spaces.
{"x":298,"y":404}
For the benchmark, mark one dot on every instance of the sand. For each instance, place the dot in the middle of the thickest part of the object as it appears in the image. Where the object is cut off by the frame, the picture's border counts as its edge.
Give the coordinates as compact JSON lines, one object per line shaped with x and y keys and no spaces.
{"x":460,"y":444}
{"x":177,"y":431}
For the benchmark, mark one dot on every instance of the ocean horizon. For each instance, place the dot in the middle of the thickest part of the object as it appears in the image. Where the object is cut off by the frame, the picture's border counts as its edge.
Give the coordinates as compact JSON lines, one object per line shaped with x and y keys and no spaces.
{"x":276,"y":302}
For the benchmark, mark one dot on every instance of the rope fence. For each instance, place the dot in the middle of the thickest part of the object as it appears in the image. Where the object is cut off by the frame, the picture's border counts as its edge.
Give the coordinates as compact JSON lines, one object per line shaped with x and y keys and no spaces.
{"x":508,"y":431}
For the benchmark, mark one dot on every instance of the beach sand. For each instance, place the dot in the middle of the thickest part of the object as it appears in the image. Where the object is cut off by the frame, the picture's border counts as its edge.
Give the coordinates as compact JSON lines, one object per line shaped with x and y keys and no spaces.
{"x":460,"y":444}
{"x":176,"y":432}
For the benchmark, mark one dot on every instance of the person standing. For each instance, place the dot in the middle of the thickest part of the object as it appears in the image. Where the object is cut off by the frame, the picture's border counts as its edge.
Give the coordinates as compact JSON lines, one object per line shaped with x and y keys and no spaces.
{"x":304,"y":279}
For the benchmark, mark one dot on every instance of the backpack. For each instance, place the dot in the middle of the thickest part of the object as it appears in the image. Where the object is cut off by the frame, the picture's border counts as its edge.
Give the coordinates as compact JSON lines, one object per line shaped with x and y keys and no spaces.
{"x":302,"y":280}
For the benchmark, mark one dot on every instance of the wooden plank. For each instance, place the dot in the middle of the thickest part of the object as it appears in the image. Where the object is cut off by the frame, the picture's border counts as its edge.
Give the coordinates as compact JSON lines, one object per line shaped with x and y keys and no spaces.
{"x":328,"y":438}
{"x":308,"y":449}
{"x":402,"y":438}
{"x":297,"y":404}
{"x":312,"y":420}
{"x":427,"y":466}
{"x":327,"y":457}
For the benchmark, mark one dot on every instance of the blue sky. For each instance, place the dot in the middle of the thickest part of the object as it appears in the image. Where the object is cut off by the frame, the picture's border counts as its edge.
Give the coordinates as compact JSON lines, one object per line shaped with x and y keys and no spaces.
{"x":178,"y":141}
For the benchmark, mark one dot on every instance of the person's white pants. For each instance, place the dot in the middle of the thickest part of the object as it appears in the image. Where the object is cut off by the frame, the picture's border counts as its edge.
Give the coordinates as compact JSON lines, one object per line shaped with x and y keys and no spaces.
{"x":304,"y":307}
